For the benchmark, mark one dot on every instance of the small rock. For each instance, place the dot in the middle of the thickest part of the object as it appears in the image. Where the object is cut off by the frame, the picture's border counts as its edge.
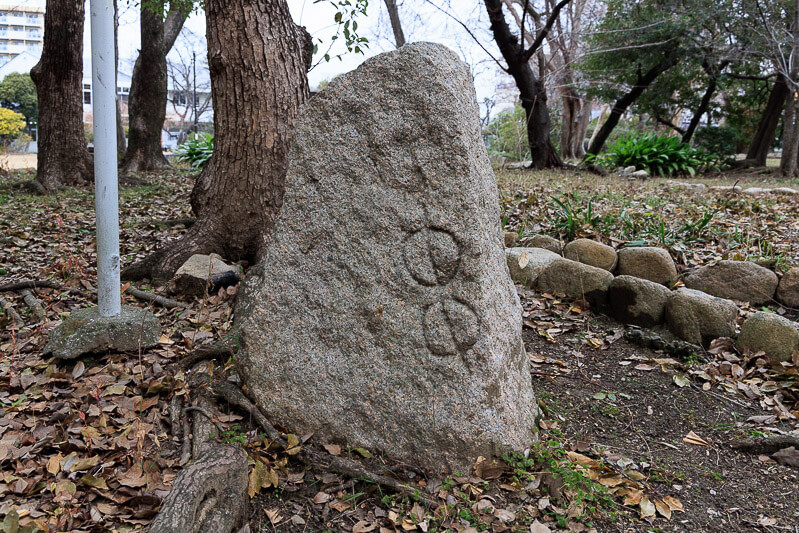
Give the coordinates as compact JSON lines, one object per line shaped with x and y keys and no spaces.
{"x":591,"y":253}
{"x":647,"y":262}
{"x":637,"y":301}
{"x":525,"y":264}
{"x":695,"y":187}
{"x":698,"y":317}
{"x":735,"y":280}
{"x":510,"y":239}
{"x":640,"y":174}
{"x":519,"y":165}
{"x":544,"y":241}
{"x":770,"y":333}
{"x":626,"y":171}
{"x":576,"y":280}
{"x":788,"y":289}
{"x":204,"y":272}
{"x":85,"y":331}
{"x":784,"y":190}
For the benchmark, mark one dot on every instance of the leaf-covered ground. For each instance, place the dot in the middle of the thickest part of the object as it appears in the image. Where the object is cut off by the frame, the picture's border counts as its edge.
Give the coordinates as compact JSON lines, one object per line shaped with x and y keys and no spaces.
{"x":91,"y":445}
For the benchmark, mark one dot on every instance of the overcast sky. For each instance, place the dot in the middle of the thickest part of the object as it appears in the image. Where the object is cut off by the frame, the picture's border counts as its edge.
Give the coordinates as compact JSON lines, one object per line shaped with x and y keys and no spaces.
{"x":422,"y":23}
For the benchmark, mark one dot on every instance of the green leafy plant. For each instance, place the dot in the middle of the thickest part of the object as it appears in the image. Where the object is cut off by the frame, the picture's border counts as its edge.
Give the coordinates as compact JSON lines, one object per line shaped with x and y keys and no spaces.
{"x":197,"y":150}
{"x":721,"y":141}
{"x":569,"y":218}
{"x":660,"y":155}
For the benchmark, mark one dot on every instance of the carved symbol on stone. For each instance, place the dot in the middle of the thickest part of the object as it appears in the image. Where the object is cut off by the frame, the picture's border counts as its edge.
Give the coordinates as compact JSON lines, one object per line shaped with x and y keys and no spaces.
{"x":432,"y":256}
{"x":450,"y":327}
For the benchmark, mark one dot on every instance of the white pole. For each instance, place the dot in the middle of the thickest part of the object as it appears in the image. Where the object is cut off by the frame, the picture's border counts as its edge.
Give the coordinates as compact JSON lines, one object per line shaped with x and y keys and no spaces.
{"x":105,"y":156}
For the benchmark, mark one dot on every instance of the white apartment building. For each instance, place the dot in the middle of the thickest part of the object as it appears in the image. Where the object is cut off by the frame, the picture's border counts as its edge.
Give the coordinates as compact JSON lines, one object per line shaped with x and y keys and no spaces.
{"x":21,"y":30}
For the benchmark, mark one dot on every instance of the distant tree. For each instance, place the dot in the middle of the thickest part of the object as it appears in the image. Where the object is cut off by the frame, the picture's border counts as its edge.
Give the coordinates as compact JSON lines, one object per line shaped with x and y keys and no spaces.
{"x":11,"y":124}
{"x":18,"y":93}
{"x":64,"y":158}
{"x":518,"y":52}
{"x":148,"y":88}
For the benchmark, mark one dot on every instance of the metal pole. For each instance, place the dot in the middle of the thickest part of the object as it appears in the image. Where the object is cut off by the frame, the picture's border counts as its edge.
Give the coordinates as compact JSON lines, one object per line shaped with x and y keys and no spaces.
{"x":105,"y":156}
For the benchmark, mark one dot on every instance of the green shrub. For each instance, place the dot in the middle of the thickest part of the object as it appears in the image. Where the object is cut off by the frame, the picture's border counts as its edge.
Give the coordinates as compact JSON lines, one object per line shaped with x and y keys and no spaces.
{"x":507,"y":135}
{"x":721,"y":141}
{"x":661,"y":155}
{"x":197,"y":150}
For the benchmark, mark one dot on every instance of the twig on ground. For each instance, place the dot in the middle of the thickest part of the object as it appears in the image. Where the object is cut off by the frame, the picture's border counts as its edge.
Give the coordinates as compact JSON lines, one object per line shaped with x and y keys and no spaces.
{"x":565,"y":376}
{"x":222,"y":348}
{"x":154,"y":298}
{"x":207,"y":414}
{"x":33,"y":303}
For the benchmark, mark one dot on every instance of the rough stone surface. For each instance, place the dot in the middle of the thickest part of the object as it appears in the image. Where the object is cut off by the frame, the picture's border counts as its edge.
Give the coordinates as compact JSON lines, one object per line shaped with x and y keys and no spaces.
{"x":788,"y":289}
{"x":591,"y":253}
{"x":201,"y":273}
{"x":650,"y":263}
{"x":510,"y":239}
{"x":544,"y":241}
{"x":383,"y":314}
{"x":770,"y":333}
{"x":637,"y":301}
{"x":735,"y":280}
{"x":640,"y":174}
{"x":698,"y":317}
{"x":525,"y":264}
{"x":576,"y":280}
{"x":85,"y":331}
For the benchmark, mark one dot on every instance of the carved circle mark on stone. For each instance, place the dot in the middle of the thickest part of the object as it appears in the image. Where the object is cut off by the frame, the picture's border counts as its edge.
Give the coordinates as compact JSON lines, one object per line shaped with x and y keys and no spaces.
{"x":450,"y":327}
{"x":432,"y":256}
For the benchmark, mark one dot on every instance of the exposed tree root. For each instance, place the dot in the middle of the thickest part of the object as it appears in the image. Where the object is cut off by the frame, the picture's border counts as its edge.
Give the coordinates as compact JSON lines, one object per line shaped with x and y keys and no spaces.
{"x":765,"y":445}
{"x":156,"y":299}
{"x":223,"y":348}
{"x":208,"y":495}
{"x":29,"y":284}
{"x":11,"y":313}
{"x":34,"y":304}
{"x":339,"y":465}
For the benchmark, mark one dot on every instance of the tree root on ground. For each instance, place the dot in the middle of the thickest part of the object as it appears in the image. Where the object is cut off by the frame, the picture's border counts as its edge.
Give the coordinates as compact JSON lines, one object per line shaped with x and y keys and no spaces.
{"x":33,"y":303}
{"x":339,"y":465}
{"x":11,"y":313}
{"x":156,"y":299}
{"x":208,"y":495}
{"x":765,"y":445}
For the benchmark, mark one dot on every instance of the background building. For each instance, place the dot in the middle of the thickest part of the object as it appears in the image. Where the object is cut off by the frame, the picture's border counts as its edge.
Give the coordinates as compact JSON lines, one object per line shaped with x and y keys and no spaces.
{"x":21,"y":30}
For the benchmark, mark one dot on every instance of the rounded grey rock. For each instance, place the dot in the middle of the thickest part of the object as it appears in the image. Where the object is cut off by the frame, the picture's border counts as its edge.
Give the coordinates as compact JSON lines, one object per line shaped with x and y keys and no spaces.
{"x":788,"y":289}
{"x":637,"y":301}
{"x":576,"y":280}
{"x":544,"y":241}
{"x":770,"y":333}
{"x":591,"y":253}
{"x":735,"y":280}
{"x":647,"y":262}
{"x":525,"y":264}
{"x":697,"y":317}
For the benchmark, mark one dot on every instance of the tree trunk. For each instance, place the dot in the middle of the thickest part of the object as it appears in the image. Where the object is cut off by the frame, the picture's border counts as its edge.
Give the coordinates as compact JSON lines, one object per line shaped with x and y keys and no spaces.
{"x":621,"y":105}
{"x":396,"y":25}
{"x":573,"y":122}
{"x":148,"y":89}
{"x":121,"y":140}
{"x":258,"y":60}
{"x":790,"y":138}
{"x":532,"y":92}
{"x":761,"y":142}
{"x":63,"y":158}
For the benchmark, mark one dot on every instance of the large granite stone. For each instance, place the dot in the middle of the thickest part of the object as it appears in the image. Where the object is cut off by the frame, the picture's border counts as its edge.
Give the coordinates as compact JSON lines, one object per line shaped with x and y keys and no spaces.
{"x":770,"y":333}
{"x":576,"y":280}
{"x":525,"y":264}
{"x":788,"y":289}
{"x":637,"y":301}
{"x":591,"y":253}
{"x":647,"y":262}
{"x":84,"y":331}
{"x":383,"y":314}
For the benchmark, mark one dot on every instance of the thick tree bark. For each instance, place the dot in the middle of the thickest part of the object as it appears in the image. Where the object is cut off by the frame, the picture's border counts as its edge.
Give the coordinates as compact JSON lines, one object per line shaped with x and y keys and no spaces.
{"x":531,"y":90}
{"x":258,"y":60}
{"x":761,"y":142}
{"x":148,"y":90}
{"x":63,"y":158}
{"x":574,"y":122}
{"x":621,"y":105}
{"x":396,"y":25}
